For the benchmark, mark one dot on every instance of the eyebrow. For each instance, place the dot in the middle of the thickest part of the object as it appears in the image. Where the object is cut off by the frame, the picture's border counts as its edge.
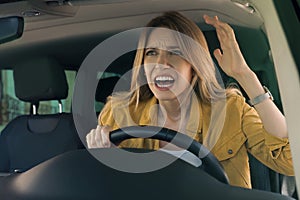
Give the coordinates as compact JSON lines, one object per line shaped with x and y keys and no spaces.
{"x":164,"y":48}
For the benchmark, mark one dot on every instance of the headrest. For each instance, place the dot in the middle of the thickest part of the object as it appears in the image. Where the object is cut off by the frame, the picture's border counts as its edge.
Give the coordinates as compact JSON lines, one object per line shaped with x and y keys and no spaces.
{"x":39,"y":80}
{"x":106,"y":86}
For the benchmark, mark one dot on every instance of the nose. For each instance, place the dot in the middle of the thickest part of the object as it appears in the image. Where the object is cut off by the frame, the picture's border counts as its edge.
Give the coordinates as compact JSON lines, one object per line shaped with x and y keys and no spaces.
{"x":162,"y":58}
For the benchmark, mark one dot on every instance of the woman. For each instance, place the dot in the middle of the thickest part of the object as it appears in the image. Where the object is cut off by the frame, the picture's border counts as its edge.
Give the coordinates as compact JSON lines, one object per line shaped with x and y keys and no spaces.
{"x":174,"y":85}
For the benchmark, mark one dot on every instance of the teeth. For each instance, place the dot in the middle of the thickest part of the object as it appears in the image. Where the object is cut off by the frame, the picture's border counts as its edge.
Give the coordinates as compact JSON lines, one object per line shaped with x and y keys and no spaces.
{"x":164,"y":81}
{"x":164,"y":85}
{"x":164,"y":78}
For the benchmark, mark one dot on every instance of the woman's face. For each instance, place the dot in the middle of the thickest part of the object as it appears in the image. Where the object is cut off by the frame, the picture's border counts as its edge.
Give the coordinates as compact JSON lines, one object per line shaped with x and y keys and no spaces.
{"x":168,"y":73}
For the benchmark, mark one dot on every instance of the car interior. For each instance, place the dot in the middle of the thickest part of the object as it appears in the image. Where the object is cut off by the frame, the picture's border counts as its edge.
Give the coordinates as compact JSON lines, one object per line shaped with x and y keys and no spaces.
{"x":40,"y":132}
{"x":43,"y":152}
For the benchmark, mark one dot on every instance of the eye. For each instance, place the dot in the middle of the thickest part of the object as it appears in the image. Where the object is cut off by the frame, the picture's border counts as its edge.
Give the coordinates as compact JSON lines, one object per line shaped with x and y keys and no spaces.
{"x":176,"y":52}
{"x":151,"y":52}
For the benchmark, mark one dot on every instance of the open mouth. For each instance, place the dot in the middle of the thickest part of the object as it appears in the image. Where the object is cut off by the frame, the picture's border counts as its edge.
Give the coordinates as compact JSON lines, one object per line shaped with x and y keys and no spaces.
{"x":164,"y":82}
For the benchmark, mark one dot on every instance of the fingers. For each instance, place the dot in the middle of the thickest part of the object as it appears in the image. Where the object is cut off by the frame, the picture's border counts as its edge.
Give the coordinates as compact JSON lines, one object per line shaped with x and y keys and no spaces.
{"x":218,"y":55}
{"x":99,"y":137}
{"x":89,"y":140}
{"x":210,"y":20}
{"x":214,"y":21}
{"x":224,"y":31}
{"x":105,"y":136}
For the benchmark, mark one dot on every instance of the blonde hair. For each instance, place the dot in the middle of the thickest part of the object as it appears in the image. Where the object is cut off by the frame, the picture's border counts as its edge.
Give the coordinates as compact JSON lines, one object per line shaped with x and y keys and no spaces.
{"x":193,"y":44}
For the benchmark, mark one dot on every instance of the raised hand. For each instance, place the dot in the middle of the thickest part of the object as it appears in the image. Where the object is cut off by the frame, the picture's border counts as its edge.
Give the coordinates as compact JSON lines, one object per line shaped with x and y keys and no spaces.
{"x":229,"y":57}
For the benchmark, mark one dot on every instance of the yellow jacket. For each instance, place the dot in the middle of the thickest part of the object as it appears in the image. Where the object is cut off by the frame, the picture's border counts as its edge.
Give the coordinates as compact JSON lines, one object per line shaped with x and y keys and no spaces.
{"x":241,"y":131}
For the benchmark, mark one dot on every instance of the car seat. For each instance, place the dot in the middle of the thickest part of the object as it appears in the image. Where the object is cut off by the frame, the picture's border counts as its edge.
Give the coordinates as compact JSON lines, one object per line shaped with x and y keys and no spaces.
{"x":33,"y":138}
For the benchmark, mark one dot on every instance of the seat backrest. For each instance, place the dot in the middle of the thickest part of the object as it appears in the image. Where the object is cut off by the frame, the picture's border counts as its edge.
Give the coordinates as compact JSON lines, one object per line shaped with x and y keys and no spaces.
{"x":109,"y":85}
{"x":33,"y":138}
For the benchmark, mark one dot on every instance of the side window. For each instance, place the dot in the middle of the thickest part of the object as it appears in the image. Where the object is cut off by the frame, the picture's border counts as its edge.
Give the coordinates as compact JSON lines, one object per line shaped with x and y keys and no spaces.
{"x":11,"y":106}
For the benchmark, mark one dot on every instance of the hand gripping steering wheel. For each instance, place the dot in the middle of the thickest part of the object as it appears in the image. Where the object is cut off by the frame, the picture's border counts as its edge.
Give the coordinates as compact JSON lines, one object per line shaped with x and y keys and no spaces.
{"x":209,"y":162}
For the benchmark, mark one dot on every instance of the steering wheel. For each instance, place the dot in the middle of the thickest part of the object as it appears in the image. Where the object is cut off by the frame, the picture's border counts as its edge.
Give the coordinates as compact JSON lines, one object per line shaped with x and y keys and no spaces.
{"x":209,"y":162}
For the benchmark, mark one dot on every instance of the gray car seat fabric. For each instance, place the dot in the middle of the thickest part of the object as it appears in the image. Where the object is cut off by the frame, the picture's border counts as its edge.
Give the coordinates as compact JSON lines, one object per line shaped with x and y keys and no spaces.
{"x":33,"y":138}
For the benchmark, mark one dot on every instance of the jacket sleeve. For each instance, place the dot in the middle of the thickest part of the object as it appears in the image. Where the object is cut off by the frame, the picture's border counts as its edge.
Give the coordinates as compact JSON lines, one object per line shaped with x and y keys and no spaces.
{"x":272,"y":151}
